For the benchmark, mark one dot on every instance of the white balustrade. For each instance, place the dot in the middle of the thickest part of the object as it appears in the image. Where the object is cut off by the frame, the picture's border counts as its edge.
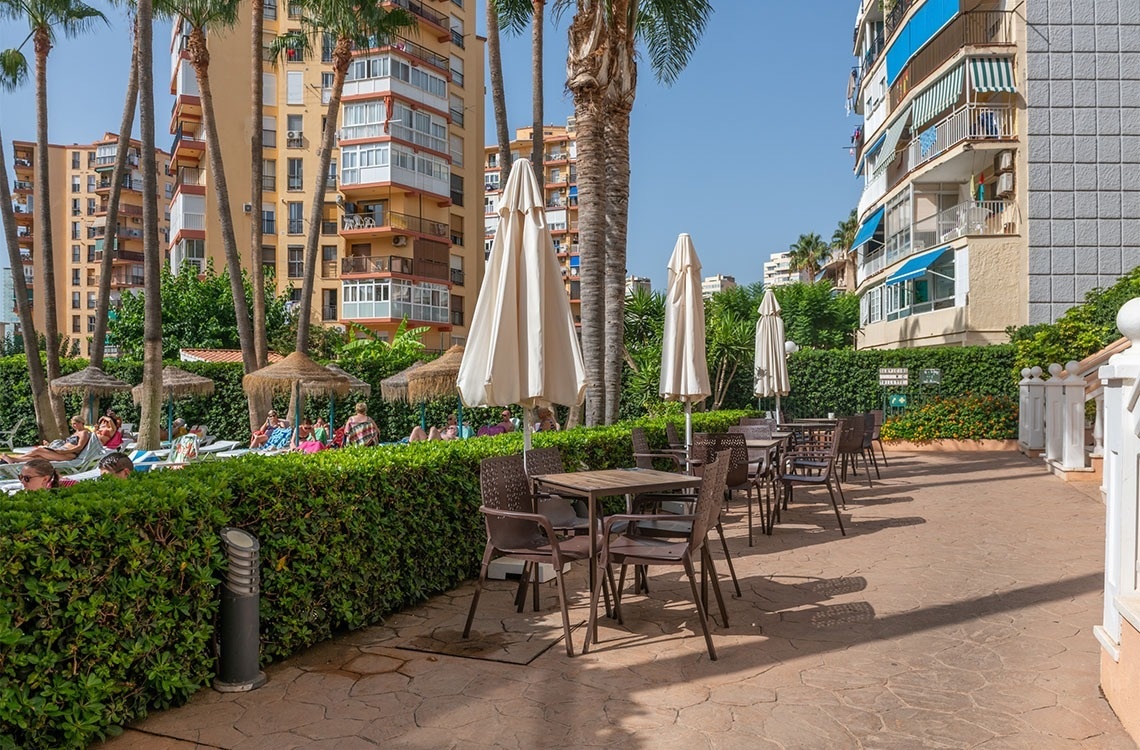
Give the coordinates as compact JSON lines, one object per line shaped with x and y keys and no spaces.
{"x":1031,"y":411}
{"x":1054,"y":413}
{"x":1073,"y":419}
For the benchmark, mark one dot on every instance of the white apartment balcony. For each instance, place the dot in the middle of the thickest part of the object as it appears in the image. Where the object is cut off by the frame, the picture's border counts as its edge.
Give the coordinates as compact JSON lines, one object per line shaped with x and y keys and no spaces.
{"x":971,"y":122}
{"x":187,"y":212}
{"x":967,"y":219}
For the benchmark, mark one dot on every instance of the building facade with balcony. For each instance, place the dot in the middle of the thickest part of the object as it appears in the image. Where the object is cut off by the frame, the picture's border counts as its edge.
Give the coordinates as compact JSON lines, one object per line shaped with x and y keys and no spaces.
{"x":635,"y":284}
{"x":559,"y":177}
{"x":80,"y":178}
{"x":941,"y":254}
{"x":405,"y":178}
{"x":778,"y":270}
{"x":710,"y":285}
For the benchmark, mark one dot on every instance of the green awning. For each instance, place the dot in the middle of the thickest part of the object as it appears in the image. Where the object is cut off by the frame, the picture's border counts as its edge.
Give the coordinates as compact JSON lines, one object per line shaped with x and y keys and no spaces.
{"x":894,"y":132}
{"x":992,"y":74}
{"x":943,"y":93}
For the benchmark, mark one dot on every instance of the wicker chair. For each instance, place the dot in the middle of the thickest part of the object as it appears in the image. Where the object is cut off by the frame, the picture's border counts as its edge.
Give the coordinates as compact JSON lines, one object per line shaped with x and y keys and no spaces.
{"x":514,"y":530}
{"x":633,"y":548}
{"x":643,"y":455}
{"x":878,"y":415}
{"x":814,"y":464}
{"x":851,"y":448}
{"x":761,"y":472}
{"x":673,"y":437}
{"x":558,"y":509}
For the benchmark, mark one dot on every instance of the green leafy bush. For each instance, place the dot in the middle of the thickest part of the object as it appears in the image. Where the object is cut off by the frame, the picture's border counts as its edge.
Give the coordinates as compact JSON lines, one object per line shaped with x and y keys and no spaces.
{"x":109,"y":589}
{"x":960,"y":418}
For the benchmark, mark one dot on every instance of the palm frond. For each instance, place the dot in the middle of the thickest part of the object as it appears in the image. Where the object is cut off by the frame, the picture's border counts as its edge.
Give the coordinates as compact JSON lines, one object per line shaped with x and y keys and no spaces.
{"x":514,"y":15}
{"x":217,"y":15}
{"x":76,"y":17}
{"x":671,"y":31}
{"x":13,"y":69}
{"x":293,"y":44}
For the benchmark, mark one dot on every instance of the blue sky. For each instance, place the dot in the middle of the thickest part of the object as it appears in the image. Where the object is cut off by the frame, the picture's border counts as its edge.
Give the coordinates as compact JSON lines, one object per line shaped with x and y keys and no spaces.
{"x":745,"y":152}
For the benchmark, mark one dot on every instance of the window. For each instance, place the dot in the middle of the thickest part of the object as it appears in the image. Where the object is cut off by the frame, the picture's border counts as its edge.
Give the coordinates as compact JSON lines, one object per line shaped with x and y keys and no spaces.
{"x":75,"y":230}
{"x":91,"y":206}
{"x":268,"y":220}
{"x":296,"y":174}
{"x":294,"y":11}
{"x":75,"y":324}
{"x":456,"y":150}
{"x":332,"y":175}
{"x":75,"y":209}
{"x":75,"y":160}
{"x":91,"y":300}
{"x":296,"y":218}
{"x":456,"y":109}
{"x":328,"y":253}
{"x":295,"y":137}
{"x":269,"y":174}
{"x":269,"y":258}
{"x":326,"y":87}
{"x":269,"y":132}
{"x":457,"y":70}
{"x":75,"y":277}
{"x":75,"y":252}
{"x":457,"y":189}
{"x":169,"y":189}
{"x":269,"y":89}
{"x":75,"y":299}
{"x":269,"y":10}
{"x":328,"y":304}
{"x":295,"y":86}
{"x":91,"y":324}
{"x":75,"y":184}
{"x":327,"y":44}
{"x":296,"y":262}
{"x":296,"y":123}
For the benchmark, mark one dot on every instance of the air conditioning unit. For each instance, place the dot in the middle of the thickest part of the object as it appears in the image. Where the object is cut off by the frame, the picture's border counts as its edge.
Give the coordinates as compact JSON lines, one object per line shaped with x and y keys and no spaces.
{"x":399,"y":241}
{"x":293,"y":134}
{"x":1003,"y":161}
{"x":247,"y":207}
{"x":1005,"y":185}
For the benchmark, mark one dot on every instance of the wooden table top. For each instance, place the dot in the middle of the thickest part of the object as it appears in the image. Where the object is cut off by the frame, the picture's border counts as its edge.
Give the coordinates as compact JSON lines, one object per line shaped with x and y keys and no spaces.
{"x":605,"y":482}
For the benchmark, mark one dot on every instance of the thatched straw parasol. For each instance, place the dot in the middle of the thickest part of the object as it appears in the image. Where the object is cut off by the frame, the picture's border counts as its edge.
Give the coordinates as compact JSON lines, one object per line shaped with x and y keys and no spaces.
{"x":395,"y":388}
{"x":355,"y":384}
{"x":92,"y":382}
{"x":177,"y":383}
{"x":437,"y":378}
{"x":297,"y":367}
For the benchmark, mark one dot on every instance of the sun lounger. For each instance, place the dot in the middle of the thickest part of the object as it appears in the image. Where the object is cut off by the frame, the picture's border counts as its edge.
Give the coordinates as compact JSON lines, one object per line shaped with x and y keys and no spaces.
{"x":219,"y":446}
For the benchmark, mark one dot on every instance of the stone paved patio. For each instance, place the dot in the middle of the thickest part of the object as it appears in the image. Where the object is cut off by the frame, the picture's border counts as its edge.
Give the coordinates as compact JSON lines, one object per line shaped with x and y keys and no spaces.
{"x":957,"y":613}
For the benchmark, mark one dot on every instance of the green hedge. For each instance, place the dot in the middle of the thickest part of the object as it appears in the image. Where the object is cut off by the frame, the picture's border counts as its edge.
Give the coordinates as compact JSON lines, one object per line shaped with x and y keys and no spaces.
{"x":108,"y":594}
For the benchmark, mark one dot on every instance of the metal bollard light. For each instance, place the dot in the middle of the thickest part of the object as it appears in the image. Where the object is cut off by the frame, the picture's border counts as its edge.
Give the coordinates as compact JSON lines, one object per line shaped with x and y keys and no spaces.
{"x":239,"y":644}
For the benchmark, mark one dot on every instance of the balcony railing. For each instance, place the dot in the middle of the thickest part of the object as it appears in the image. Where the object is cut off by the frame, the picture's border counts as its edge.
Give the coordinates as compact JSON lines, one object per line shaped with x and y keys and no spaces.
{"x":22,"y":185}
{"x":419,"y":9}
{"x":967,"y":219}
{"x":328,"y":312}
{"x":895,"y":15}
{"x":395,"y":220}
{"x":420,"y":52}
{"x":24,"y":163}
{"x":129,"y":183}
{"x":107,"y":161}
{"x":127,"y":279}
{"x":329,"y":269}
{"x":124,"y":210}
{"x":191,"y":176}
{"x":973,"y":28}
{"x":96,"y":255}
{"x":457,"y":276}
{"x":968,"y":123}
{"x":457,"y":238}
{"x":382,"y":264}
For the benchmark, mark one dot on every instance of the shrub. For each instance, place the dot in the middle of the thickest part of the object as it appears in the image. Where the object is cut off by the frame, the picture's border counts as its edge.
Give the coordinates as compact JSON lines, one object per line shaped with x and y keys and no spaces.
{"x":962,"y":418}
{"x":108,"y":591}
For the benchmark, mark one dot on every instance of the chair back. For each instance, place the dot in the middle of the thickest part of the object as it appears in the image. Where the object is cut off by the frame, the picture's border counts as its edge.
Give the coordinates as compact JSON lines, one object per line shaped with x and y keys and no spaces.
{"x":756,"y":456}
{"x":877,"y":414}
{"x":672,"y":437}
{"x":713,"y":486}
{"x":504,"y":485}
{"x":736,"y":446}
{"x":543,"y":461}
{"x":868,"y":430}
{"x":757,"y":422}
{"x":851,"y":434}
{"x":640,"y":446}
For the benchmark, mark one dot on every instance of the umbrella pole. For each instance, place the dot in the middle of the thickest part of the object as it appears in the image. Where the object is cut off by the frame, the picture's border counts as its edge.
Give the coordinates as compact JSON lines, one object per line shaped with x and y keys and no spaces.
{"x":423,"y":416}
{"x":527,"y":428}
{"x":332,"y":413}
{"x":170,"y":418}
{"x":459,"y":418}
{"x":778,"y":420}
{"x":689,"y":429}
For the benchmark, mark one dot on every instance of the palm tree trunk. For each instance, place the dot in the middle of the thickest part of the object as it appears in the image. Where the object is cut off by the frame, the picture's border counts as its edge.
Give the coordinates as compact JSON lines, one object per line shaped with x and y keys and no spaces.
{"x":584,"y":67}
{"x":151,"y":417}
{"x":536,"y":90}
{"x":42,"y":42}
{"x":200,"y":59}
{"x":256,"y":166}
{"x":498,"y":95}
{"x":110,"y":235}
{"x":342,"y":57}
{"x":48,"y":425}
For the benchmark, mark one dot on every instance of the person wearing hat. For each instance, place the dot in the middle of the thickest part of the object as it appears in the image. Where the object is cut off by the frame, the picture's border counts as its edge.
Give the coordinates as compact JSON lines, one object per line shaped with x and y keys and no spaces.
{"x":261,"y":436}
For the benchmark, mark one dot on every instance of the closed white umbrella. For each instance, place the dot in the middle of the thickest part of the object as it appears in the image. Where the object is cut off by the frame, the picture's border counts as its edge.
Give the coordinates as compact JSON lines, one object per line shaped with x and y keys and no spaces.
{"x":771,"y":357}
{"x":684,"y":366}
{"x":522,"y":347}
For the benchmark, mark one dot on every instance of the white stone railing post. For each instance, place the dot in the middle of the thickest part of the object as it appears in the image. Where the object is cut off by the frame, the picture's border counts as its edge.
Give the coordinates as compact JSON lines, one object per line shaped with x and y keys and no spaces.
{"x":1098,"y":426}
{"x":1121,"y":449}
{"x":1031,"y":410}
{"x":1054,"y":413}
{"x":1073,"y":419}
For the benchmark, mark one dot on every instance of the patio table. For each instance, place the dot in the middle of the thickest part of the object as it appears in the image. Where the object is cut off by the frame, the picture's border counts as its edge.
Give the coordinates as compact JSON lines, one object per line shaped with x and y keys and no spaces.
{"x":594,"y":485}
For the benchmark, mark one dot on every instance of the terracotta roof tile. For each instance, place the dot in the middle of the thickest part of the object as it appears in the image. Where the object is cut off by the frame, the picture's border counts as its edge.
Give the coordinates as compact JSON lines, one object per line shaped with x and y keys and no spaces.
{"x":219,"y":355}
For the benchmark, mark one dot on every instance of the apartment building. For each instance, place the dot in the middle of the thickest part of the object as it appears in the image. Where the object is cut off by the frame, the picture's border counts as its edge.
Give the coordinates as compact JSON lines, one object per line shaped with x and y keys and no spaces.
{"x":80,"y":179}
{"x":778,"y":270}
{"x":634,"y":284}
{"x":942,"y":247}
{"x":558,"y":174}
{"x":405,"y":180}
{"x":710,"y":285}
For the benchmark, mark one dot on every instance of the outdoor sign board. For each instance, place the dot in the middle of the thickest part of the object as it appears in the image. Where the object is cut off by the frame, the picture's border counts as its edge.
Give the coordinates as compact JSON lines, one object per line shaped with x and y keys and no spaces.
{"x":898,"y":400}
{"x":894,"y":376}
{"x":931,"y":376}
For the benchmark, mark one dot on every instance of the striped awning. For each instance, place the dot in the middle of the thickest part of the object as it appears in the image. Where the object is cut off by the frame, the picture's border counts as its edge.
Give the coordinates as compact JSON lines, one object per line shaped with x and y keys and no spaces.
{"x":894,"y":132}
{"x":938,"y":97}
{"x":992,"y":74}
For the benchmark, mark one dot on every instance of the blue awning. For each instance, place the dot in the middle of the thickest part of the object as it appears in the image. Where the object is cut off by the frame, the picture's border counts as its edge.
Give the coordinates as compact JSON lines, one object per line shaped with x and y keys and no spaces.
{"x":869,"y":152}
{"x":867,"y":230}
{"x":916,"y":266}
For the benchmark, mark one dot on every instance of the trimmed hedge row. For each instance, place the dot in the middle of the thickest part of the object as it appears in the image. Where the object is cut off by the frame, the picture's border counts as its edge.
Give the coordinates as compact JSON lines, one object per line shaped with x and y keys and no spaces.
{"x":108,"y":595}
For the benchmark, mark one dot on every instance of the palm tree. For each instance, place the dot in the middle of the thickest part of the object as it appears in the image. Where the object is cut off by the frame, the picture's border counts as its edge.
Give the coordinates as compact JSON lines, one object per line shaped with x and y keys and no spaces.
{"x":841,"y":240}
{"x":110,"y":234}
{"x":218,"y":15}
{"x":49,"y":427}
{"x":498,"y":96}
{"x":602,"y":76}
{"x":808,"y":255}
{"x":352,"y":24}
{"x":151,"y":416}
{"x":44,"y":19}
{"x":256,"y":166}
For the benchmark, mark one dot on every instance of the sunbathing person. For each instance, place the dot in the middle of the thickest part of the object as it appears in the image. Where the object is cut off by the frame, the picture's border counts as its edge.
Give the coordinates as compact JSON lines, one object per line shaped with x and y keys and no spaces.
{"x":58,"y":450}
{"x":360,"y":429}
{"x":108,"y":432}
{"x":321,"y":431}
{"x":304,"y":438}
{"x":261,"y":435}
{"x":39,"y":474}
